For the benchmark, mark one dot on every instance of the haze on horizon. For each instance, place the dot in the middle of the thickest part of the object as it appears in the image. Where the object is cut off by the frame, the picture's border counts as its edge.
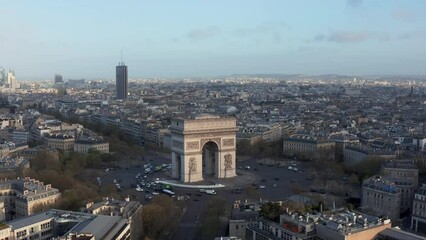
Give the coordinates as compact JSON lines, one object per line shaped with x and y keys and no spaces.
{"x":83,"y":39}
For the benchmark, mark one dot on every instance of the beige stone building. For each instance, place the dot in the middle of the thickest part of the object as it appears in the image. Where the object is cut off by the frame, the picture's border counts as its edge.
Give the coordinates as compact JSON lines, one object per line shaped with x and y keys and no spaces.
{"x":406,"y":176}
{"x":401,"y":168}
{"x":5,"y":232}
{"x":59,"y":141}
{"x":23,"y":197}
{"x":204,"y":145}
{"x":60,"y":224}
{"x":382,"y":197}
{"x":308,"y":147}
{"x":84,"y":145}
{"x":418,"y":217}
{"x":355,"y":154}
{"x":130,"y":210}
{"x":334,"y":225}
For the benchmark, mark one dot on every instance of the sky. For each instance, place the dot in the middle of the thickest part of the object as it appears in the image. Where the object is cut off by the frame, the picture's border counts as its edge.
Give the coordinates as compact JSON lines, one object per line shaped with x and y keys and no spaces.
{"x":201,"y":38}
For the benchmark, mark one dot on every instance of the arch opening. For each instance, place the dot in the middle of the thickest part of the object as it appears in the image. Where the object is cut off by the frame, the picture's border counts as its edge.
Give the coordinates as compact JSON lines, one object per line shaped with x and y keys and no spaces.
{"x":210,"y":158}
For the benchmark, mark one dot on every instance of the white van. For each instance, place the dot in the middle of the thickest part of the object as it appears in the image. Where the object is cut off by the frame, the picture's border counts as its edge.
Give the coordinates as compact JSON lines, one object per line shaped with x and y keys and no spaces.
{"x":211,"y":191}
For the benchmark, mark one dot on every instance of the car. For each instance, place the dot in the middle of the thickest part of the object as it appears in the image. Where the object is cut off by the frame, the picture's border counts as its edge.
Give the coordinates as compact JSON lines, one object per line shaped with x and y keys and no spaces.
{"x":195,"y":200}
{"x":114,"y":181}
{"x":211,"y":191}
{"x":203,"y":190}
{"x":148,"y":196}
{"x":155,"y":193}
{"x":277,"y":178}
{"x":290,"y":168}
{"x":139,"y":189}
{"x":262,"y":186}
{"x":275,"y":185}
{"x":295,"y":169}
{"x":248,"y":167}
{"x":255,"y":169}
{"x":107,"y":170}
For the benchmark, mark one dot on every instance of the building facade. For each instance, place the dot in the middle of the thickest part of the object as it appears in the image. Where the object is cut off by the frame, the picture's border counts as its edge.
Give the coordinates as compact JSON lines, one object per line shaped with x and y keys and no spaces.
{"x":23,"y":197}
{"x":381,"y":197}
{"x":58,"y":79}
{"x":418,"y":217}
{"x":406,"y":176}
{"x":59,"y":141}
{"x":308,"y":147}
{"x":355,"y":154}
{"x":60,"y":224}
{"x":130,"y":210}
{"x":84,"y":145}
{"x":121,"y":81}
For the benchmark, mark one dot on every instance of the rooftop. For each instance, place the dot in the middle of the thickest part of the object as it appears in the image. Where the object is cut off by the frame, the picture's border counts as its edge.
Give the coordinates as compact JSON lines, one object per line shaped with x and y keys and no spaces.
{"x":381,"y":184}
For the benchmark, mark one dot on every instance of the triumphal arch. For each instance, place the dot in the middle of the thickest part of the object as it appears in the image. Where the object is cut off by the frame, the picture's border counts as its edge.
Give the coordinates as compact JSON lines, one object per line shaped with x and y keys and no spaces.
{"x":203,"y":146}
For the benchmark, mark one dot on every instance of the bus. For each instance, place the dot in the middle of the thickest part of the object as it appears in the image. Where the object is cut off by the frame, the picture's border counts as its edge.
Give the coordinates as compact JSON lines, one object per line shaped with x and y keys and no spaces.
{"x":168,"y":192}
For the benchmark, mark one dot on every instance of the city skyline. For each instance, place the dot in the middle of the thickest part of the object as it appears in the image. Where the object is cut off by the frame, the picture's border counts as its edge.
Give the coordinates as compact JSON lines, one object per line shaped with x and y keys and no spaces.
{"x":198,"y":39}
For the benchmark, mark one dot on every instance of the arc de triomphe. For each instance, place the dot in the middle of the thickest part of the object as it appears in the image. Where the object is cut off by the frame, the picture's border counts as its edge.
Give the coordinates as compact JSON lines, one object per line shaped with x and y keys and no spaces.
{"x":203,"y":145}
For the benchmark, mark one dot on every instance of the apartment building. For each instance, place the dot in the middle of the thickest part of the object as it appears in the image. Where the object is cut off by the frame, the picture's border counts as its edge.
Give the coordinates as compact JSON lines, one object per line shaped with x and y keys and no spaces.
{"x":264,"y":229}
{"x":350,"y":226}
{"x":59,"y":141}
{"x":406,"y":175}
{"x":130,"y":210}
{"x":381,"y":197}
{"x":336,"y":225}
{"x":60,"y":224}
{"x":308,"y":147}
{"x":354,"y":154}
{"x":23,"y":197}
{"x":418,"y":217}
{"x":84,"y":145}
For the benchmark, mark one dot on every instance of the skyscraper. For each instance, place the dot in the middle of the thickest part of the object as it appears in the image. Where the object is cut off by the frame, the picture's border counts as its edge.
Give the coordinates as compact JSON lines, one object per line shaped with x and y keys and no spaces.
{"x":2,"y":77}
{"x":121,"y":81}
{"x":11,"y":80}
{"x":58,"y":79}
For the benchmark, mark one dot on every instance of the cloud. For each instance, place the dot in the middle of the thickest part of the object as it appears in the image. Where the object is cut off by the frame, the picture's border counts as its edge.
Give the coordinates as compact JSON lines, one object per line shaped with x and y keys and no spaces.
{"x":405,"y":15}
{"x":319,"y":37}
{"x":205,"y":33}
{"x":270,"y":29}
{"x":352,"y":36}
{"x":412,"y":35}
{"x":354,"y":3}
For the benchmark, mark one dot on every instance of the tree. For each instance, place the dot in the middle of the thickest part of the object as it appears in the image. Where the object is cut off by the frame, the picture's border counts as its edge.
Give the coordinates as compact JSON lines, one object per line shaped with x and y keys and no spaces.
{"x":154,"y":220}
{"x":45,"y":160}
{"x":270,"y":210}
